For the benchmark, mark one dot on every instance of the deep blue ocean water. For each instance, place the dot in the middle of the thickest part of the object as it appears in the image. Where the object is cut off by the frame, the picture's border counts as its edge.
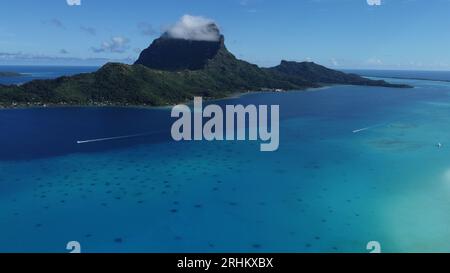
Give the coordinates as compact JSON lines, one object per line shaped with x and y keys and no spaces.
{"x":326,"y":189}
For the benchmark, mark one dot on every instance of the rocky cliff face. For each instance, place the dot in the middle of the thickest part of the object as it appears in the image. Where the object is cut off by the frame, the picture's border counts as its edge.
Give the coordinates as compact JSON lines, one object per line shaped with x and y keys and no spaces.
{"x":171,"y":54}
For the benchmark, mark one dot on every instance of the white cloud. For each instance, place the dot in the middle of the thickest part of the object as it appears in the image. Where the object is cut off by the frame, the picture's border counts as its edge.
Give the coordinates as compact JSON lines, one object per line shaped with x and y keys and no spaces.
{"x":195,"y":28}
{"x":374,"y":61}
{"x":146,"y":29}
{"x":334,"y":62}
{"x":54,"y":22}
{"x":89,"y":30}
{"x":117,"y":44}
{"x":374,"y":2}
{"x":73,"y":2}
{"x":243,"y":2}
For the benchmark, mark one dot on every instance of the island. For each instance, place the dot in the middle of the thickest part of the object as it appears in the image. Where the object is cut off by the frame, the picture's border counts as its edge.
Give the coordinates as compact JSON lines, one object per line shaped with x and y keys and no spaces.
{"x":10,"y":74}
{"x":172,"y":71}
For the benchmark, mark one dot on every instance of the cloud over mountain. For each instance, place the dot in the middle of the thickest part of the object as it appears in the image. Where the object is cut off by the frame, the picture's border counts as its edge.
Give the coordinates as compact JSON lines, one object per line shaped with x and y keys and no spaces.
{"x":196,"y":28}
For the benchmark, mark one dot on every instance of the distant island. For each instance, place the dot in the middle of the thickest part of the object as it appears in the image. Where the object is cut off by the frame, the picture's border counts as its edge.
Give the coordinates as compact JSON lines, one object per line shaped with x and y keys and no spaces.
{"x":10,"y":74}
{"x":174,"y":70}
{"x":411,"y":78}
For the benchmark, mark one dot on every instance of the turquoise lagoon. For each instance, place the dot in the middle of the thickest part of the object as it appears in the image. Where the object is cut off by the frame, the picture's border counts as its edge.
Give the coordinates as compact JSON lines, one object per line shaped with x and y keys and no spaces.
{"x":326,"y":189}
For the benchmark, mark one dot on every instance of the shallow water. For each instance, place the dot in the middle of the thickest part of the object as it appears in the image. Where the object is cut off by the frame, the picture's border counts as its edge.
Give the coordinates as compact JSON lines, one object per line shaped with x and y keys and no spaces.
{"x":326,"y":189}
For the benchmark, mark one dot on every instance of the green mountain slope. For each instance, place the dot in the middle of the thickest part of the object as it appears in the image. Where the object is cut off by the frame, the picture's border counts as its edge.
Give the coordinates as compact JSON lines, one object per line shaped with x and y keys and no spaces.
{"x":141,"y":84}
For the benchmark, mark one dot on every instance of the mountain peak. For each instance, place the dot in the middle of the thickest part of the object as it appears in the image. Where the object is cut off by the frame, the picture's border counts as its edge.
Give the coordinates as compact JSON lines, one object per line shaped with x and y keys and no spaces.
{"x":175,"y":54}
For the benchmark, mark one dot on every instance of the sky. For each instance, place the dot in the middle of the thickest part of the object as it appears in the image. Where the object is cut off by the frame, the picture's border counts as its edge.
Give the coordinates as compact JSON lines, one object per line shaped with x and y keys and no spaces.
{"x":359,"y":34}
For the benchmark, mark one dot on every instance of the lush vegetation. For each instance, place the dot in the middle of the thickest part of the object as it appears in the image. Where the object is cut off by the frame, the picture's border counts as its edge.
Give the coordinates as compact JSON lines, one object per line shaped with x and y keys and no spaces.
{"x":312,"y":72}
{"x":121,"y":84}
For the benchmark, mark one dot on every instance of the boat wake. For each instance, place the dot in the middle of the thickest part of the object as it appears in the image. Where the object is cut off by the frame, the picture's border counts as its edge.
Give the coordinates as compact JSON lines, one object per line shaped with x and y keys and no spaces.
{"x":114,"y":138}
{"x":366,"y":128}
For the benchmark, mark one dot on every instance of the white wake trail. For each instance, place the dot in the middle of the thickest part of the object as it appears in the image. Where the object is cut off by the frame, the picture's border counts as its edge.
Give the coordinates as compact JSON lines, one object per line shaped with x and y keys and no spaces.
{"x":114,"y":138}
{"x":366,"y":128}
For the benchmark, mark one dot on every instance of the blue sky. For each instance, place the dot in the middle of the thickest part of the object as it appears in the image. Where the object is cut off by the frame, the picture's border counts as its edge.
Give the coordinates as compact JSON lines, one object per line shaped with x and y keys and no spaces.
{"x":398,"y":34}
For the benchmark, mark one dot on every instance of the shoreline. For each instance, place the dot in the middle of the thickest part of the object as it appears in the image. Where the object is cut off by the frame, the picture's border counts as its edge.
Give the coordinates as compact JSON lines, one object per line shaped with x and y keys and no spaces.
{"x":161,"y":107}
{"x":166,"y":107}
